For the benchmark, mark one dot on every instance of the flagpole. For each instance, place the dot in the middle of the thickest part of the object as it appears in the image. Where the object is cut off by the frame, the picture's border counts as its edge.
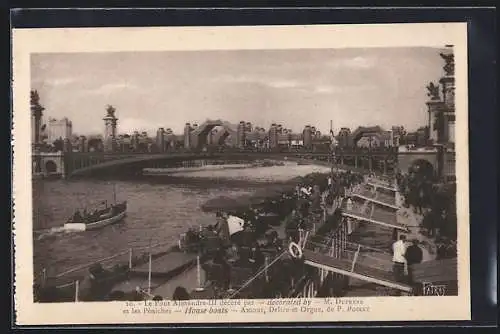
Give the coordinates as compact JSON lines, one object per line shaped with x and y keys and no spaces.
{"x":331,"y":148}
{"x":114,"y":193}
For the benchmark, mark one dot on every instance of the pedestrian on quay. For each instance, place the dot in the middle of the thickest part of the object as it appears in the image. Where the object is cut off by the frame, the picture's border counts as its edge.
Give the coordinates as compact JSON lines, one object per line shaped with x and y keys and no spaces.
{"x":398,"y":258}
{"x":413,"y":255}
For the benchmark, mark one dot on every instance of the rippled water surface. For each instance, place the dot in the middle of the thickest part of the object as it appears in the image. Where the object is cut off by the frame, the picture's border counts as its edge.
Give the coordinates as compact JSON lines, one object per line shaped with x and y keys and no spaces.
{"x":158,"y":210}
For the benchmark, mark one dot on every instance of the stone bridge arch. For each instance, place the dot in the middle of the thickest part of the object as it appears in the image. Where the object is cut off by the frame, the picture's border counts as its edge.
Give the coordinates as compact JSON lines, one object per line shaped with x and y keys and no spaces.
{"x":198,"y":137}
{"x":49,"y":163}
{"x":421,"y":159}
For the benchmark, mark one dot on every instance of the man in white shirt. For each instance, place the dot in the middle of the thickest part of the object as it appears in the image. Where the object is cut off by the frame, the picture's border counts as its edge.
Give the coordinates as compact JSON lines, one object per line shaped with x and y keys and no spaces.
{"x":398,"y":258}
{"x":349,"y":204}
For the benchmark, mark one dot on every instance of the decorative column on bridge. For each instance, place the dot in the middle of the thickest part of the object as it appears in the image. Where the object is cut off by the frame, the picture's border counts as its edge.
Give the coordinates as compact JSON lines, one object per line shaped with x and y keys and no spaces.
{"x":240,"y":136}
{"x":441,"y":108}
{"x":187,"y":136}
{"x":307,"y":137}
{"x":67,"y":146}
{"x":448,"y":88}
{"x":435,"y":106}
{"x":160,"y":140}
{"x":83,"y":144}
{"x":273,"y":136}
{"x":110,"y":122}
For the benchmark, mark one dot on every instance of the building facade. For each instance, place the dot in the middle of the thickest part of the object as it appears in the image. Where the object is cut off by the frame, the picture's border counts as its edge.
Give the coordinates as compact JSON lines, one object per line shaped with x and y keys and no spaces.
{"x":59,"y":129}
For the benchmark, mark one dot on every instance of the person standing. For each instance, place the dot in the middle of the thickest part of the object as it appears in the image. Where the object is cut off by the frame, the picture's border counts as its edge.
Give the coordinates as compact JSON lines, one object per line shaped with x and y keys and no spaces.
{"x":413,"y":255}
{"x":349,"y":204}
{"x":398,"y":258}
{"x":223,"y":229}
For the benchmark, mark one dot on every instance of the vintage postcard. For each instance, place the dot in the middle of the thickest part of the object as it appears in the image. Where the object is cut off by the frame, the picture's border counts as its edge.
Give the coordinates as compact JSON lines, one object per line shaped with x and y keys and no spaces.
{"x":241,"y":174}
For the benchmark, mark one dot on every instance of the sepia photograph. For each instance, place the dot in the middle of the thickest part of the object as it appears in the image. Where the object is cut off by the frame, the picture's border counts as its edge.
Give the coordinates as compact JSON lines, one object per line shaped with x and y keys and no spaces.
{"x":245,"y":180}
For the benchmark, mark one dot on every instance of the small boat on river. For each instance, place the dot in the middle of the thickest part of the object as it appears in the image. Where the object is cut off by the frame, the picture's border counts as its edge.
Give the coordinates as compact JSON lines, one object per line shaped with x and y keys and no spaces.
{"x":97,"y":218}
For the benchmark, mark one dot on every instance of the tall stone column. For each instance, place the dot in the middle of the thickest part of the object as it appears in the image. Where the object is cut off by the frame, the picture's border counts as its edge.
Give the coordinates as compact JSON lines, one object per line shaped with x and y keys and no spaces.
{"x":160,"y":139}
{"x":434,"y":107}
{"x":110,"y":122}
{"x":82,"y":144}
{"x":67,"y":146}
{"x":187,"y":136}
{"x":448,"y":88}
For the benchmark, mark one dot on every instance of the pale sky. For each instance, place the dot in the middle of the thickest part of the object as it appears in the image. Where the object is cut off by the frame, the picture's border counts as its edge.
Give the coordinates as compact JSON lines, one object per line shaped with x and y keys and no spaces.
{"x":352,"y":87}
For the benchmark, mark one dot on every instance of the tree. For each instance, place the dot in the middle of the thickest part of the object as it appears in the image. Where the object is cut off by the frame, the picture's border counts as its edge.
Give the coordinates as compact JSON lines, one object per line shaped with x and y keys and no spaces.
{"x":58,"y":144}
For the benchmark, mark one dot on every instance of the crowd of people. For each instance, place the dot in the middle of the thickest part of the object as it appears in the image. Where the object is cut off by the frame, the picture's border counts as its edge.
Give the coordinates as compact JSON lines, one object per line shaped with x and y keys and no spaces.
{"x":254,"y":239}
{"x":436,"y":202}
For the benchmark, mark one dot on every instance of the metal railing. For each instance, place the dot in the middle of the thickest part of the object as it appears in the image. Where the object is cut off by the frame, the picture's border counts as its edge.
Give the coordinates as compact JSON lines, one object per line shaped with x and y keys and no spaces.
{"x":126,"y":257}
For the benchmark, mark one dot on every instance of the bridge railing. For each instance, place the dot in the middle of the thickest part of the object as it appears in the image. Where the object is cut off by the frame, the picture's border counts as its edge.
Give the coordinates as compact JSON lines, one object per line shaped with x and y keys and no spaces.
{"x":319,"y":151}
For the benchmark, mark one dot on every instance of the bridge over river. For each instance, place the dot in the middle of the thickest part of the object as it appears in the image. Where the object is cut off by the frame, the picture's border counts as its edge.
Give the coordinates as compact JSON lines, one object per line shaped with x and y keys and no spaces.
{"x":75,"y":164}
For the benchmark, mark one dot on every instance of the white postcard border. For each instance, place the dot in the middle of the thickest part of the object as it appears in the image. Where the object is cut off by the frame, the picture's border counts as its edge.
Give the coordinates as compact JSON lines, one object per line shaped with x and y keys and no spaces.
{"x":27,"y":41}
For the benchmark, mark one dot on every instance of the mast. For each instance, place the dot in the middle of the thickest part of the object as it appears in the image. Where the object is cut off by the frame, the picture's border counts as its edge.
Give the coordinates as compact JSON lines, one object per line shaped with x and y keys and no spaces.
{"x":331,"y":148}
{"x":114,"y":193}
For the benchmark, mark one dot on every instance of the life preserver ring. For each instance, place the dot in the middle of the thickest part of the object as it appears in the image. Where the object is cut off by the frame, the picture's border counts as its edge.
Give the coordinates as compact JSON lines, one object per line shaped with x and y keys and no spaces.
{"x":295,"y":250}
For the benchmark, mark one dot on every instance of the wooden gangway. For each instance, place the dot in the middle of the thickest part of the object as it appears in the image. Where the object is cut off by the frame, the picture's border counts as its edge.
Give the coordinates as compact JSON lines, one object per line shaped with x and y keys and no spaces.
{"x":376,"y":185}
{"x":376,"y":197}
{"x":372,"y":214}
{"x":355,"y":260}
{"x":358,"y":271}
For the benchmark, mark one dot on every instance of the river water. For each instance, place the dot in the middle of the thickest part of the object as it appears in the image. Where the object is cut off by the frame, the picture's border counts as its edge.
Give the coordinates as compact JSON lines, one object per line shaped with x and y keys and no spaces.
{"x":159,"y":209}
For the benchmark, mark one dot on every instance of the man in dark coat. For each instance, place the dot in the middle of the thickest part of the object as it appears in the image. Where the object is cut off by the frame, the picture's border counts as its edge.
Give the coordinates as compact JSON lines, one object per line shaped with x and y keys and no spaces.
{"x":413,"y":255}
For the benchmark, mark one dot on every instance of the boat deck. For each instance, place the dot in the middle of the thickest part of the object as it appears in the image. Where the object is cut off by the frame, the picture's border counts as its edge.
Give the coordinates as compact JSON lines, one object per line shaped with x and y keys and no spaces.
{"x":188,"y":280}
{"x":166,"y":265}
{"x":360,"y":271}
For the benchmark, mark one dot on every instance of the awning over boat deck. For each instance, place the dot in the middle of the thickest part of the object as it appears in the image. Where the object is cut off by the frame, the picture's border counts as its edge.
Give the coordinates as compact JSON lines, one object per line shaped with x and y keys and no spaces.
{"x":381,"y":185}
{"x":354,"y":270}
{"x":444,"y":270}
{"x":373,"y":214}
{"x":377,"y":197}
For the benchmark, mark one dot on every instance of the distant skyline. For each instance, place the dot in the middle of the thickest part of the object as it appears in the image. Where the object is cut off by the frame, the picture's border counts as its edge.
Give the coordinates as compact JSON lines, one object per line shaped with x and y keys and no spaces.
{"x":351,"y":87}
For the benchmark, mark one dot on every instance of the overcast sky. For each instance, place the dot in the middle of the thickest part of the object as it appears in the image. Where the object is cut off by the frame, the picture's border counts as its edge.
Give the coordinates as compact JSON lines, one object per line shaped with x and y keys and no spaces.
{"x":352,"y":87}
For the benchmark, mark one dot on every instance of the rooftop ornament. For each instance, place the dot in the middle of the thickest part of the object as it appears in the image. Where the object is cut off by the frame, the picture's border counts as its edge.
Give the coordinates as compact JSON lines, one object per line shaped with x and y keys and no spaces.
{"x":110,"y":111}
{"x":449,"y":67}
{"x":433,"y":91}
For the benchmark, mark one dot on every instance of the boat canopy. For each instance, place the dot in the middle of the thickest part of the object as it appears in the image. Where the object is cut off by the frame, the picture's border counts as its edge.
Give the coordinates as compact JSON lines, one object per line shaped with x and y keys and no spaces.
{"x":224,"y":203}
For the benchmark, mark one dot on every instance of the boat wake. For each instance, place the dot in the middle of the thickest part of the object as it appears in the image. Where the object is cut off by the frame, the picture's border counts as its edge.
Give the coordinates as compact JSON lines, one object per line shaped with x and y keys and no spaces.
{"x":51,"y":232}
